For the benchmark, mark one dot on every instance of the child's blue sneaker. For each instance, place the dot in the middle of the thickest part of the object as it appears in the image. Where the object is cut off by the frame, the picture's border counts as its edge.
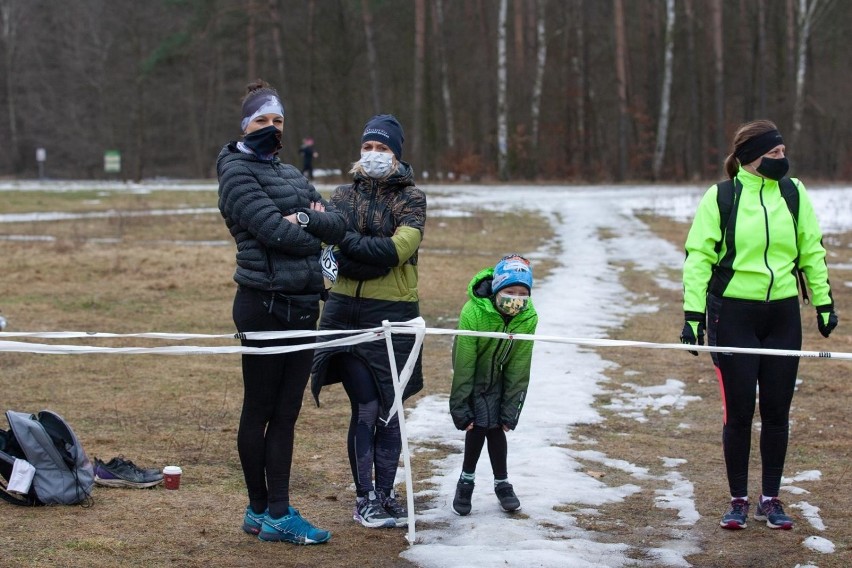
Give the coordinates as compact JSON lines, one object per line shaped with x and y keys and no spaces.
{"x":252,"y":521}
{"x":291,"y":528}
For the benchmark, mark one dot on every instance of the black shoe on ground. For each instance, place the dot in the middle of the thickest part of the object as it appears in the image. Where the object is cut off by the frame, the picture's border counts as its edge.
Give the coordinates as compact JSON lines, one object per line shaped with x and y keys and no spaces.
{"x":393,"y":507}
{"x":119,"y":472}
{"x":461,"y":502}
{"x":506,"y":494}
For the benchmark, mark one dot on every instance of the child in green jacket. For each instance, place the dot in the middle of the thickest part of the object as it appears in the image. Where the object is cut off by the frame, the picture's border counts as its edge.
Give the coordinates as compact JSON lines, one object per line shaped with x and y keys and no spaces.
{"x":491,"y":375}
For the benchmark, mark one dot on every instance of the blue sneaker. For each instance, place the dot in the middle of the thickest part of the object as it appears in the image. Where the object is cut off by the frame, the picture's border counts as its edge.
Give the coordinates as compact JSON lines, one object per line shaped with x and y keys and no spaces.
{"x":252,"y":521}
{"x":772,"y":512}
{"x":291,"y":528}
{"x":736,"y":516}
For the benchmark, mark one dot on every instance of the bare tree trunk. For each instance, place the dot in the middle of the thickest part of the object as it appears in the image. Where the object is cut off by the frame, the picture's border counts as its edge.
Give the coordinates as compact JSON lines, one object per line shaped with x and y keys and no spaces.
{"x":520,"y":51}
{"x":790,"y":46}
{"x":621,"y":80}
{"x":419,"y":56}
{"x":808,"y":15}
{"x":578,"y":63}
{"x":9,"y":21}
{"x":541,"y":60}
{"x":372,"y":60}
{"x":251,"y":42}
{"x":281,"y":83}
{"x":438,"y":7}
{"x":762,"y":62}
{"x":718,"y":80}
{"x":502,"y":119}
{"x":665,"y":110}
{"x":309,"y":72}
{"x":695,"y":152}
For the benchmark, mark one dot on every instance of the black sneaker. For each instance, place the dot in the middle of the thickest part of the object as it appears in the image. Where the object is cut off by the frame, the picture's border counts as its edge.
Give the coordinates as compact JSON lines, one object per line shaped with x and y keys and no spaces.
{"x":735,"y":518}
{"x":393,"y":507}
{"x":119,"y":472}
{"x":772,"y":512}
{"x":370,"y":512}
{"x":461,"y":502}
{"x":506,"y":494}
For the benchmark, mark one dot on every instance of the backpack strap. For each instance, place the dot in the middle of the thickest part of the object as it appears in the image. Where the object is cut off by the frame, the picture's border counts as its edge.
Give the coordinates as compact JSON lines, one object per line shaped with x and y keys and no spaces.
{"x":727,"y":198}
{"x":790,"y":193}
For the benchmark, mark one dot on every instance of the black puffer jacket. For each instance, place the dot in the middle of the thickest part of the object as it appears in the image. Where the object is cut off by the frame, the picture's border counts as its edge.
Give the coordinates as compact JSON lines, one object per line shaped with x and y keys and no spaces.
{"x":272,"y":253}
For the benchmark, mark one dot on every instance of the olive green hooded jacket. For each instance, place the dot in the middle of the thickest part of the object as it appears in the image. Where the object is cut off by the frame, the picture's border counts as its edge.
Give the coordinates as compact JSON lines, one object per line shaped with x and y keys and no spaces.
{"x":767,"y":243}
{"x":490,"y":375}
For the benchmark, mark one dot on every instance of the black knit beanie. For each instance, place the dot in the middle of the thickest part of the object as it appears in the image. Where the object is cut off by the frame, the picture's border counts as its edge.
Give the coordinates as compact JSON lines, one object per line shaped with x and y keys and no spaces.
{"x":385,"y":128}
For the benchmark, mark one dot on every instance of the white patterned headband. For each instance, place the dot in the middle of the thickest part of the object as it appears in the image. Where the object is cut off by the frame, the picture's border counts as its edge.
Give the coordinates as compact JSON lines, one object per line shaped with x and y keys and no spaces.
{"x":260,"y":105}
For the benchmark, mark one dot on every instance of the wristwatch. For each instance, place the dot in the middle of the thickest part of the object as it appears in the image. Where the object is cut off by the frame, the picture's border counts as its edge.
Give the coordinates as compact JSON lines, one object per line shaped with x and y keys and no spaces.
{"x":303,"y":219}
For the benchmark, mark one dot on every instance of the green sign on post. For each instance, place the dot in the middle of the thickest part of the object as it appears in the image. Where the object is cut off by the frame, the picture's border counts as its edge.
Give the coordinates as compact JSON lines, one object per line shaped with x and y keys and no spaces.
{"x":112,"y":161}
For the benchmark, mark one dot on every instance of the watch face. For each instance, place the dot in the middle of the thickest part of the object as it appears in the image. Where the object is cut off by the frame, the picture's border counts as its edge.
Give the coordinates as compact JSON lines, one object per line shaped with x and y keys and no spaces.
{"x":302,"y":217}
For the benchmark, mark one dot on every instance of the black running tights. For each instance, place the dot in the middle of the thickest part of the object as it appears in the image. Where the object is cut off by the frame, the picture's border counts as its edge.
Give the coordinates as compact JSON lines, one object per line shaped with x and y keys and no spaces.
{"x":273,"y":387}
{"x":371,"y":442}
{"x":474,"y":440}
{"x":772,"y":325}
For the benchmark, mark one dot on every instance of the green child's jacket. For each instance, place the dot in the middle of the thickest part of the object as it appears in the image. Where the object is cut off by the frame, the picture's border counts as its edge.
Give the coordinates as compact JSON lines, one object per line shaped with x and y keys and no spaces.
{"x":490,"y":375}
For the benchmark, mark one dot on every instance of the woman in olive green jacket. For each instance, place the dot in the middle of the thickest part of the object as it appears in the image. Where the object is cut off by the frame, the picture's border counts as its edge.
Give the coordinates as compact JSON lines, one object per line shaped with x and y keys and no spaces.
{"x":491,"y":375}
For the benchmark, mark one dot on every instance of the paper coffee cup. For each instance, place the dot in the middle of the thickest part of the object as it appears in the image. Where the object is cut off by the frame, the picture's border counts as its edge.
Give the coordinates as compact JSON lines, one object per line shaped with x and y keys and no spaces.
{"x":171,"y":476}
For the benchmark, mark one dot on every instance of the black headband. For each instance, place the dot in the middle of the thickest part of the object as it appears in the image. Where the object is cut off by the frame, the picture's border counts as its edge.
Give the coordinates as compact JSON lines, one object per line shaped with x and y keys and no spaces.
{"x":756,"y":146}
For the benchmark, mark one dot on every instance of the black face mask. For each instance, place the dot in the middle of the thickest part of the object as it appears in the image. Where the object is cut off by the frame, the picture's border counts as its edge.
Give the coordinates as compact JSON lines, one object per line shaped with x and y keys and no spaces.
{"x":773,"y":168}
{"x":265,"y":141}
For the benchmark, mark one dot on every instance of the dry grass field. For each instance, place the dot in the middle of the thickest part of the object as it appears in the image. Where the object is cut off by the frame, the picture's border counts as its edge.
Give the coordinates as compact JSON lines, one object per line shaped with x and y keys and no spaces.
{"x":131,"y":274}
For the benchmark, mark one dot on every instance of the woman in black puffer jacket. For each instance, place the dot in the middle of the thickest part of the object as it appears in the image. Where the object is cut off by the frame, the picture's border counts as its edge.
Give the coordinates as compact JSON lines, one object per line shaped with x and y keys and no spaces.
{"x":279,"y":222}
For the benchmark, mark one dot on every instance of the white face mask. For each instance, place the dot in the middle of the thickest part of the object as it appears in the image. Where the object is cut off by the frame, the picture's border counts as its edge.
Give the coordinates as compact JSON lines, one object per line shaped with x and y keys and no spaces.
{"x":377,"y":165}
{"x":509,"y":304}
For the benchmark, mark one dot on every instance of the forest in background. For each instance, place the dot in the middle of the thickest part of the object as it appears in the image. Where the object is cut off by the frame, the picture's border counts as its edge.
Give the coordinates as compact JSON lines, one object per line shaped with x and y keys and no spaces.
{"x":549,"y":90}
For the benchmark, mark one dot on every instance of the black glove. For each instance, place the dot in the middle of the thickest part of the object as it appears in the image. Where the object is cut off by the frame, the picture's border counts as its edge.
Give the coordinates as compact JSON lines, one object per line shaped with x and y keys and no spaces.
{"x":826,"y":319}
{"x":693,"y":330}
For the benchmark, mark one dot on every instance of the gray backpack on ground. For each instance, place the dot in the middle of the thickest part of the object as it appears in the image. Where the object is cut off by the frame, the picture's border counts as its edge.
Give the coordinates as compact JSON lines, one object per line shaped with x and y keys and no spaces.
{"x":63,"y":472}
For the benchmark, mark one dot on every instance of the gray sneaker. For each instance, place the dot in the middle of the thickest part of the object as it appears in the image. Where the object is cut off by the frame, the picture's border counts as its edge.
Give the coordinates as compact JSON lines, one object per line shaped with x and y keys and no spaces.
{"x":393,"y":507}
{"x":119,"y":472}
{"x":370,"y":512}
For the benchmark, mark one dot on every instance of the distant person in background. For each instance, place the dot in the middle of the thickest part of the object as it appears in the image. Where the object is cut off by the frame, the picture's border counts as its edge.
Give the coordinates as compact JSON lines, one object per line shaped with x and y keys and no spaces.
{"x":750,"y":238}
{"x":491,"y":375}
{"x":376,"y":281}
{"x":308,"y":155}
{"x":279,"y":222}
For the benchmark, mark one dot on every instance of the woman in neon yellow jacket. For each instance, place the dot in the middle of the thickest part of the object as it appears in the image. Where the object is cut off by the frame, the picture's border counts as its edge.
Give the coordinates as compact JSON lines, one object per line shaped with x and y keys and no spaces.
{"x":750,"y":239}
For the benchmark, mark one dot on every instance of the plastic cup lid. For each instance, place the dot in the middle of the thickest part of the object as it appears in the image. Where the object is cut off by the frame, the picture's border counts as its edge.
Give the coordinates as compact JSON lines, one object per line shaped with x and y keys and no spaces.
{"x":172,"y":470}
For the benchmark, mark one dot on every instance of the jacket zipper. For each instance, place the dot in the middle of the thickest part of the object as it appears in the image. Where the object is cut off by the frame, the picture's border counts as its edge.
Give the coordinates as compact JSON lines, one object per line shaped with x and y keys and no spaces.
{"x":370,"y":209}
{"x":766,"y":248}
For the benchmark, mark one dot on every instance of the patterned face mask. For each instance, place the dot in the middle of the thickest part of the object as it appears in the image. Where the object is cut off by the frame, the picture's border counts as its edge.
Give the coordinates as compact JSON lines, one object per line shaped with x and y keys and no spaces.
{"x":377,"y":165}
{"x":509,"y":304}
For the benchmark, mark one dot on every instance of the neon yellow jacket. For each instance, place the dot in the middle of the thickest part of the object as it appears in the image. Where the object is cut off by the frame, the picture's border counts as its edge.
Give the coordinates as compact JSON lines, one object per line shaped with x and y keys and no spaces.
{"x":767,"y":241}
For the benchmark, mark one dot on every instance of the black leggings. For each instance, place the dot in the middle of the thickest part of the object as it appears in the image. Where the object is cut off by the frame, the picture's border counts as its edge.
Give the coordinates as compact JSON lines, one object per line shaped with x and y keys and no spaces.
{"x":272,"y":397}
{"x":474,"y":440}
{"x":771,"y":325}
{"x":371,"y":442}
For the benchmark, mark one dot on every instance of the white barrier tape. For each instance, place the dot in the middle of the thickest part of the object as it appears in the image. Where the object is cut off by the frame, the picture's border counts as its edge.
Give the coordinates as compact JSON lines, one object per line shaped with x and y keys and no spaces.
{"x":256,"y":335}
{"x":411,"y":327}
{"x":20,"y":347}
